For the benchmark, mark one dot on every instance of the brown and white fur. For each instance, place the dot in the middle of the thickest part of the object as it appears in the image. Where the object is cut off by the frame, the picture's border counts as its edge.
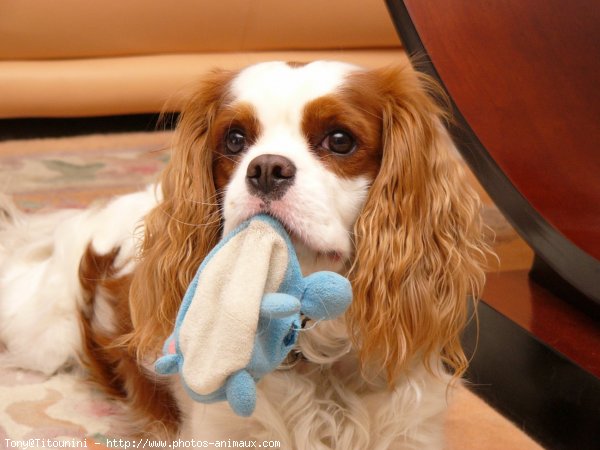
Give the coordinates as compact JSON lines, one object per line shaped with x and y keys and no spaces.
{"x":384,"y":203}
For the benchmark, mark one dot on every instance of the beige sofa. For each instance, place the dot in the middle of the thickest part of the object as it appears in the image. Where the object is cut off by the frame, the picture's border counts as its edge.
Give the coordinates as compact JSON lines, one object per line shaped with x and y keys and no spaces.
{"x":65,"y":58}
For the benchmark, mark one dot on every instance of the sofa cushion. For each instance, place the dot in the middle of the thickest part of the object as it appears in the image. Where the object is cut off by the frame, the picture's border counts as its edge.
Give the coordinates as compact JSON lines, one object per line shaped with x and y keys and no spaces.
{"x":134,"y":85}
{"x":31,"y":29}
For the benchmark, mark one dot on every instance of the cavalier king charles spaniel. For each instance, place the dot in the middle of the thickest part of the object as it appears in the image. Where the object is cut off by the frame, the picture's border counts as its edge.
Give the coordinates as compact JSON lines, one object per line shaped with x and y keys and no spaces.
{"x":359,"y":168}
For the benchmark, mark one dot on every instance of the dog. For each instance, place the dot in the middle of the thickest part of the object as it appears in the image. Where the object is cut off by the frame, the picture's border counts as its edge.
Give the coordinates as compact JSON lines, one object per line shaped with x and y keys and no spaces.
{"x":358,"y":167}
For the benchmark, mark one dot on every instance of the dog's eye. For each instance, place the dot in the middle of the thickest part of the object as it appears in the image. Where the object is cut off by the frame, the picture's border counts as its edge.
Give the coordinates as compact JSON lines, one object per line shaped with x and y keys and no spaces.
{"x":235,"y":141}
{"x":339,"y":142}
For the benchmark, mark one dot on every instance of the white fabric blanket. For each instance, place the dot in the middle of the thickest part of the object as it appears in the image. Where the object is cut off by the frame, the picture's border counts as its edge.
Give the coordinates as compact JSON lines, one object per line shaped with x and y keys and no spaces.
{"x":217,"y":334}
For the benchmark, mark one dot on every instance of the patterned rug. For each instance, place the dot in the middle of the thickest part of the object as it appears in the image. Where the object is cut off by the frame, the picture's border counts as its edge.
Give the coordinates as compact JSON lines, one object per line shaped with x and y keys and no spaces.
{"x":46,"y":174}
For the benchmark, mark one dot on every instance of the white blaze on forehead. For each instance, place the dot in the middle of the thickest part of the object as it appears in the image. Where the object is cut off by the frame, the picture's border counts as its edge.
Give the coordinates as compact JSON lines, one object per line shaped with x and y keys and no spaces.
{"x":279,"y":92}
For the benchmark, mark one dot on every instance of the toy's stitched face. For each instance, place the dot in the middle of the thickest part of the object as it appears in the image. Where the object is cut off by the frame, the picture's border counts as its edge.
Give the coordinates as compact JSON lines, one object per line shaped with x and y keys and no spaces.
{"x":302,"y":144}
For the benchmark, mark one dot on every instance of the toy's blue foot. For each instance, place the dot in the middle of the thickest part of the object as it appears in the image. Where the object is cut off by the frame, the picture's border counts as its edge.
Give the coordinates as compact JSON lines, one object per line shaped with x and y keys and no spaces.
{"x":240,"y":391}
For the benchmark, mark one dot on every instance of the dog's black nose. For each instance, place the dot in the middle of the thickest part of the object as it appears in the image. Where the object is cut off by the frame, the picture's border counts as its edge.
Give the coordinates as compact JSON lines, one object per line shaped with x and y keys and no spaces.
{"x":270,"y":176}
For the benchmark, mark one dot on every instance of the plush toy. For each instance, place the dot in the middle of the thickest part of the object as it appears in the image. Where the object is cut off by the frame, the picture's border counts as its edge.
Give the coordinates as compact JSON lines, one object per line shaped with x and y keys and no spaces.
{"x":240,"y":316}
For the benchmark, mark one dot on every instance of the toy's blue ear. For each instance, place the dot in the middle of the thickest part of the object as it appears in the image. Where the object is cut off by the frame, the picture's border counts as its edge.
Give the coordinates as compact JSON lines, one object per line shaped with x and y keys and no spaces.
{"x":327,"y":295}
{"x":167,"y":365}
{"x":240,"y":390}
{"x":278,"y":305}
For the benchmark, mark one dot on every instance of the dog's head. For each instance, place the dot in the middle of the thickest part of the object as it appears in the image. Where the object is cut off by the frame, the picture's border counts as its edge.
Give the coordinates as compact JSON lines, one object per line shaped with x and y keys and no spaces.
{"x":301,"y":144}
{"x":357,"y":166}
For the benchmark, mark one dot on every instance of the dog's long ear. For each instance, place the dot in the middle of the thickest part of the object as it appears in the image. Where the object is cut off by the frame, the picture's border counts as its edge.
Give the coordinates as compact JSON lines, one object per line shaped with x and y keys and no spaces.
{"x":184,"y":226}
{"x":419,"y":246}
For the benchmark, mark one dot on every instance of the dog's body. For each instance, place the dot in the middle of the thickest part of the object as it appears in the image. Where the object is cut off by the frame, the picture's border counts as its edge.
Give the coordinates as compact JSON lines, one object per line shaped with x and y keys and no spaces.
{"x":357,"y":167}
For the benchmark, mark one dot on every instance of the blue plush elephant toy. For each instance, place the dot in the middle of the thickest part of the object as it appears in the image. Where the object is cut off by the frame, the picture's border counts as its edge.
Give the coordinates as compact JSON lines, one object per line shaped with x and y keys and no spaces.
{"x":241,"y":314}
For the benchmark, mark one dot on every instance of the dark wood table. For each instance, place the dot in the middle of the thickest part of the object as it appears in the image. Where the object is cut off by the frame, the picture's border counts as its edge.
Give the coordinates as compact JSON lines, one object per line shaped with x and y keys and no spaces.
{"x":523,"y":77}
